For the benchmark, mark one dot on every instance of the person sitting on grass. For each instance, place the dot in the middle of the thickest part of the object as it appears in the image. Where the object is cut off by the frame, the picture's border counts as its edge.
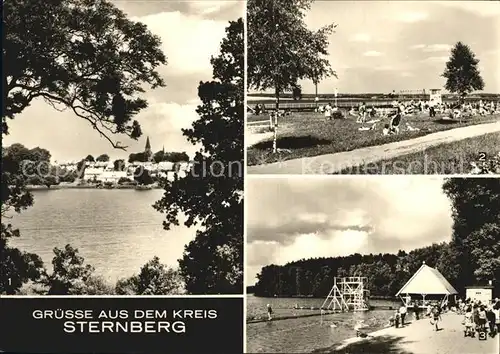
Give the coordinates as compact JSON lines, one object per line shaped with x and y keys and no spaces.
{"x":328,"y":111}
{"x":362,"y":113}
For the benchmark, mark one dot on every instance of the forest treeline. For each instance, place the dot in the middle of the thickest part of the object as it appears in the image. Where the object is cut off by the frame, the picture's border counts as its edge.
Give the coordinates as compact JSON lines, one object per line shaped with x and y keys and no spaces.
{"x":472,"y":257}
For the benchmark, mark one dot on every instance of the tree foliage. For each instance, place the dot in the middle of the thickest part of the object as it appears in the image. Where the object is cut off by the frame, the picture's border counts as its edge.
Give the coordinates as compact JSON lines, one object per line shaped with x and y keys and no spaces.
{"x":82,"y":55}
{"x":103,"y":158}
{"x":69,"y":272}
{"x":386,"y":273}
{"x":476,"y":223}
{"x":174,"y":157}
{"x":119,"y":165}
{"x":297,"y":93}
{"x":142,"y":176}
{"x":461,"y":72}
{"x":138,"y":157}
{"x":211,"y":194}
{"x":154,"y":278}
{"x":281,"y":49}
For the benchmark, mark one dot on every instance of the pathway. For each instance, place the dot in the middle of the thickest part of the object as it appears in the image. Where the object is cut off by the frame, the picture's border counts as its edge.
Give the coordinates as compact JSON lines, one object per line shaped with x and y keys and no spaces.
{"x":419,"y":338}
{"x":331,"y":163}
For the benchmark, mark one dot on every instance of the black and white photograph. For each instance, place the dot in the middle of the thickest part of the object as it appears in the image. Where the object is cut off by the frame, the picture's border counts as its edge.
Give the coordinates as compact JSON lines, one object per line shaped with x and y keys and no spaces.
{"x":373,"y":87}
{"x":122,"y":135}
{"x":381,"y":264}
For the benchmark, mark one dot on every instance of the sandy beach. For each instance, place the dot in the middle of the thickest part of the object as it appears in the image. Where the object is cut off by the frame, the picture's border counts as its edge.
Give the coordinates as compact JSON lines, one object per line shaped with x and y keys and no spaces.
{"x":419,"y":337}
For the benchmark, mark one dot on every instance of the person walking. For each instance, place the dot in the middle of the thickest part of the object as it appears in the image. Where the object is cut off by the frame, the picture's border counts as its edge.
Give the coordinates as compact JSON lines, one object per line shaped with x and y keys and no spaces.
{"x":436,"y":317}
{"x":402,"y":313}
{"x":482,"y":319}
{"x":432,"y":108}
{"x":417,"y":310}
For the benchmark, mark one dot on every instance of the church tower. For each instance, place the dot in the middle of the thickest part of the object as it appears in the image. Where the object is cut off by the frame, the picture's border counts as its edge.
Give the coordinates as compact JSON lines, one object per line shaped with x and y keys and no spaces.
{"x":147,"y":150}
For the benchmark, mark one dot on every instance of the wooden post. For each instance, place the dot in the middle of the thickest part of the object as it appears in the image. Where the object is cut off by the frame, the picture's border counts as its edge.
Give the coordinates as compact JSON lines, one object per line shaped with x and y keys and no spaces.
{"x":316,"y":96}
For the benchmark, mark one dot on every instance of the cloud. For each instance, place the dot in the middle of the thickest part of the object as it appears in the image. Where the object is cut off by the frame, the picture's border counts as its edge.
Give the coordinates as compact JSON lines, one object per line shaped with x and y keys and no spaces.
{"x":481,"y":8}
{"x":436,"y":59}
{"x":385,"y":68}
{"x":361,"y":37}
{"x":302,"y":218}
{"x":372,"y":53}
{"x":437,"y":48}
{"x":209,"y":7}
{"x":412,"y":17}
{"x":187,"y":40}
{"x":407,"y":74}
{"x":432,"y":47}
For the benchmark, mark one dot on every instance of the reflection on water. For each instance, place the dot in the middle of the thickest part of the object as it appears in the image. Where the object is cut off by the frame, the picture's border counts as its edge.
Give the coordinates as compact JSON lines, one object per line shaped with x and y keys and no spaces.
{"x":117,"y":231}
{"x":305,"y":334}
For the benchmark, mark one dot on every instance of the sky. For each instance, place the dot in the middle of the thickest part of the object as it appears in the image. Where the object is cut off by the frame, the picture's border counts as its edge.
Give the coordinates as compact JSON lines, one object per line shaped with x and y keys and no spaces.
{"x":295,"y":218}
{"x":191,"y":32}
{"x":380,"y":46}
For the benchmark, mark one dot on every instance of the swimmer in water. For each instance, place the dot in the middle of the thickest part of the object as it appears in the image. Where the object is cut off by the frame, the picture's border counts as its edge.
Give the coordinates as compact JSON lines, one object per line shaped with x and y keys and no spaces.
{"x":269,"y":312}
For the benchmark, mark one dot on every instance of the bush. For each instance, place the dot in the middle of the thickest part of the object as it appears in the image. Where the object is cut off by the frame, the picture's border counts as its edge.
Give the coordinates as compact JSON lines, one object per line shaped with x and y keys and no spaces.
{"x":69,"y":272}
{"x":124,"y":180}
{"x":154,"y":278}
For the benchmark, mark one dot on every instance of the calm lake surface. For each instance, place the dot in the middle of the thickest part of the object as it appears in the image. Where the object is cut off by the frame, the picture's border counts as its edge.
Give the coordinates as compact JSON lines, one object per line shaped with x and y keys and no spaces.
{"x":306,"y":334}
{"x":116,"y":231}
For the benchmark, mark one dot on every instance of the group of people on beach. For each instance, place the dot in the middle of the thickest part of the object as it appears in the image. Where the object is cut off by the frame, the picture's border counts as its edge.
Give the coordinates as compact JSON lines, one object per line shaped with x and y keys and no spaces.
{"x":479,"y":317}
{"x":433,"y":311}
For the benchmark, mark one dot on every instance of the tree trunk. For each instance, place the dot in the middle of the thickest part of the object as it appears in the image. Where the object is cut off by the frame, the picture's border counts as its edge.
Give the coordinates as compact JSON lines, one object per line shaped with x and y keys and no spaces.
{"x":316,"y":95}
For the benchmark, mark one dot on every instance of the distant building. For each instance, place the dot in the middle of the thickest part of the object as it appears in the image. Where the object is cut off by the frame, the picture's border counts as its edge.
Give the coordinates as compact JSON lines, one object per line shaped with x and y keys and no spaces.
{"x":482,"y":293}
{"x":93,"y":173}
{"x":147,"y":150}
{"x":112,"y":176}
{"x":436,"y":96}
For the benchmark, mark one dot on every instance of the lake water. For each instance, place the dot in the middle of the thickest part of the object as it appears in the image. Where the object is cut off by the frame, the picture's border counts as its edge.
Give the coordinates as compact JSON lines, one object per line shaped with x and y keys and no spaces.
{"x":305,"y":334}
{"x":116,"y":231}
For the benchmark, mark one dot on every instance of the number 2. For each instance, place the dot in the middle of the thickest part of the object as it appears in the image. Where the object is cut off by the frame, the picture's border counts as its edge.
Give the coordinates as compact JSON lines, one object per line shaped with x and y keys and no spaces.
{"x":482,"y":156}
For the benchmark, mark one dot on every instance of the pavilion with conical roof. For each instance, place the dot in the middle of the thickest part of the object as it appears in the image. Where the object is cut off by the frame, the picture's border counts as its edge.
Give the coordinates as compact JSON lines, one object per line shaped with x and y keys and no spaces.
{"x":427,"y":281}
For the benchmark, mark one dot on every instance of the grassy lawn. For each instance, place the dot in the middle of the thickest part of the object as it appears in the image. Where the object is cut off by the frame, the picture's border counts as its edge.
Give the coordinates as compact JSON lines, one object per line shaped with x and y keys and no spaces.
{"x":452,"y":158}
{"x":309,"y":134}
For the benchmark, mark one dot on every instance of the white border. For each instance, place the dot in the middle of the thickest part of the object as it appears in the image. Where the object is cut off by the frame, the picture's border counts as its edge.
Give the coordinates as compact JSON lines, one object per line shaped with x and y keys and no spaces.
{"x":235,"y":296}
{"x":245,"y":184}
